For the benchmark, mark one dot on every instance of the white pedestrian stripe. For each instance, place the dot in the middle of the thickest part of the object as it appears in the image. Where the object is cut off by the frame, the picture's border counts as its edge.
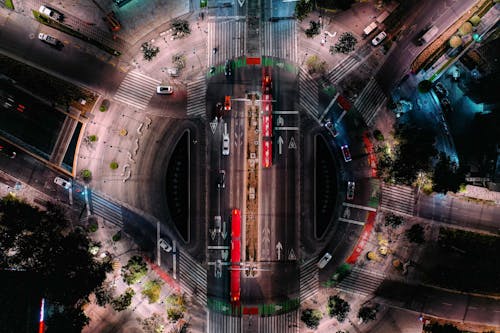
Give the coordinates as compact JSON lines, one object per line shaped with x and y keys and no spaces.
{"x":370,"y":101}
{"x":193,"y":278}
{"x":398,"y":198}
{"x":280,"y":39}
{"x":196,"y":97}
{"x":308,"y":93}
{"x":136,"y":90}
{"x":227,"y":36}
{"x":361,"y":282}
{"x":342,"y":69}
{"x":309,"y":279}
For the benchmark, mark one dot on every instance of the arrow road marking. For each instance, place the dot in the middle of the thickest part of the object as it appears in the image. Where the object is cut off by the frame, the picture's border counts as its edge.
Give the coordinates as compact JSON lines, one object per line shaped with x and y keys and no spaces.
{"x":280,"y":121}
{"x":279,"y":247}
{"x":241,"y":2}
{"x":213,"y":232}
{"x":347,"y":213}
{"x":224,"y":254}
{"x":280,"y":144}
{"x":224,"y":231}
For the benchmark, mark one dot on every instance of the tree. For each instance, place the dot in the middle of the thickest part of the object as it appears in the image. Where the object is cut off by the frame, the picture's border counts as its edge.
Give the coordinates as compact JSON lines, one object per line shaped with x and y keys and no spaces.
{"x":104,"y":294}
{"x":446,"y":176}
{"x":180,"y":28}
{"x":311,"y":318}
{"x":337,"y":307}
{"x":152,"y":290}
{"x":394,"y":220}
{"x":303,"y":8}
{"x":313,"y":30}
{"x":153,"y":324}
{"x":314,"y":65}
{"x":134,"y":270}
{"x":367,"y":313}
{"x":438,"y":328}
{"x":176,"y":306}
{"x":335,"y":4}
{"x":149,"y":51}
{"x":415,"y":234}
{"x":66,"y":320}
{"x":424,"y":86}
{"x":123,"y":301}
{"x":345,"y":44}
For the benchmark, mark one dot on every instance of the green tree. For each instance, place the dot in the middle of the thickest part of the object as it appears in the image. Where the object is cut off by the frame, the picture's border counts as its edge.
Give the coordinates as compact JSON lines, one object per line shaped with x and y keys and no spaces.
{"x":176,"y":306}
{"x":395,"y":221}
{"x":313,"y":30}
{"x":415,"y":234}
{"x":134,"y":270}
{"x":153,"y":324}
{"x":123,"y":301}
{"x":367,"y":313}
{"x":337,"y":307}
{"x":345,"y":44}
{"x":303,"y":8}
{"x":104,"y":294}
{"x":311,"y":318}
{"x":424,"y":86}
{"x":149,"y":51}
{"x":447,"y":176}
{"x":152,"y":290}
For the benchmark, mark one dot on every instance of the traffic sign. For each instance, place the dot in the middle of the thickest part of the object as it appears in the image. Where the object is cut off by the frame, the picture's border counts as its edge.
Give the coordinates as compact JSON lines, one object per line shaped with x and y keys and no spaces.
{"x":213,"y":125}
{"x":292,"y":144}
{"x":291,"y":255}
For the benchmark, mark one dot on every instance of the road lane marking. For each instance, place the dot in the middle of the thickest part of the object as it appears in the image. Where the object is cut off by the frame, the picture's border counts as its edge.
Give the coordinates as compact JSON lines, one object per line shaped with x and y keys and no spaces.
{"x":341,"y":219}
{"x":218,"y":247}
{"x":359,"y":206}
{"x":286,"y":128}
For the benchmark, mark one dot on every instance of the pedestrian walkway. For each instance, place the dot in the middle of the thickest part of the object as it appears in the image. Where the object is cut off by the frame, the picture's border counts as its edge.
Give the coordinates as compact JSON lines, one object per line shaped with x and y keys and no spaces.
{"x":136,"y":90}
{"x":221,"y":323}
{"x":309,"y":279}
{"x":398,"y":198}
{"x":106,"y":209}
{"x":361,"y":282}
{"x":193,"y":278}
{"x":280,"y":39}
{"x":227,"y":36}
{"x":284,"y":323}
{"x":370,"y":101}
{"x":196,"y":97}
{"x":308,"y":93}
{"x":342,"y":69}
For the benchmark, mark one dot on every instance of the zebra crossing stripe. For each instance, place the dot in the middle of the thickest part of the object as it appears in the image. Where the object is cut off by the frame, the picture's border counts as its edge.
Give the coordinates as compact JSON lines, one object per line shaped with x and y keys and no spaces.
{"x":136,"y":90}
{"x":109,"y":211}
{"x":343,"y":68}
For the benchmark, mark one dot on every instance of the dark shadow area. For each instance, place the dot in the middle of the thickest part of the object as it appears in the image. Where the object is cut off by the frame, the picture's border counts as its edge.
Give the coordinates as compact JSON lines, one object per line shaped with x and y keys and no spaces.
{"x":177,"y":185}
{"x":325,"y":186}
{"x":69,"y":157}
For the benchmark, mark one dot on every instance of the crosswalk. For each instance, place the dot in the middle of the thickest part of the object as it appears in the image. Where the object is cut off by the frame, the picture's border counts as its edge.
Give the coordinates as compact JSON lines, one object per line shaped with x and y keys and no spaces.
{"x":284,"y":323}
{"x":280,"y":39}
{"x":106,"y":209}
{"x":361,"y":282}
{"x":398,"y":198}
{"x":308,"y":93}
{"x":221,"y":323}
{"x":136,"y":90}
{"x":227,"y":35}
{"x":370,"y":101}
{"x":196,"y":97}
{"x":341,"y":70}
{"x":309,"y":279}
{"x":193,"y":278}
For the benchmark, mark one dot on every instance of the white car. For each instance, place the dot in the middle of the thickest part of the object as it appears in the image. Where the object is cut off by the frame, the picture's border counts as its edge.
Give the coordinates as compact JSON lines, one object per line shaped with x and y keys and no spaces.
{"x":164,"y":245}
{"x":52,"y":13}
{"x":61,"y":182}
{"x":164,"y":90}
{"x":225,"y":144}
{"x":379,"y":38}
{"x":324,"y":260}
{"x":49,"y":39}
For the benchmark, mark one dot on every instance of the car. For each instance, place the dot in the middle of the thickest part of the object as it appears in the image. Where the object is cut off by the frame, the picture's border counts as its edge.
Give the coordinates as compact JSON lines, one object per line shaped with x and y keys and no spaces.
{"x":7,"y":152}
{"x":48,"y":39}
{"x":164,"y":245}
{"x":350,"y":190}
{"x":331,"y":128}
{"x":52,"y":13}
{"x":225,"y":144}
{"x":219,"y":110}
{"x":218,"y":268}
{"x":173,"y":72}
{"x":445,"y":104}
{"x":228,"y":68}
{"x":227,"y":103}
{"x":221,"y":179}
{"x":324,"y":260}
{"x":346,"y":153}
{"x":267,"y":84}
{"x":218,"y":223}
{"x":61,"y":182}
{"x":165,"y":90}
{"x":379,"y":38}
{"x":440,"y":90}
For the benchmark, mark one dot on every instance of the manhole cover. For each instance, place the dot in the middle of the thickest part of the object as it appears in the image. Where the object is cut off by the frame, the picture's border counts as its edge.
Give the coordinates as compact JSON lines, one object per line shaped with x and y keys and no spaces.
{"x":32,"y":36}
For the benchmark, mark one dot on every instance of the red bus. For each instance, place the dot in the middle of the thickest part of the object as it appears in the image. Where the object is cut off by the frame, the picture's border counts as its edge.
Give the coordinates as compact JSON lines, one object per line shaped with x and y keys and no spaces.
{"x":267,"y":120}
{"x":235,"y":256}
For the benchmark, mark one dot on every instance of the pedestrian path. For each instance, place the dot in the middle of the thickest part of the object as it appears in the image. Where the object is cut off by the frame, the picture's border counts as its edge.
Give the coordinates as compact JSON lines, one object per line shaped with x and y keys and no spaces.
{"x":136,"y":90}
{"x":227,"y":35}
{"x":280,"y":39}
{"x":361,"y":281}
{"x":308,"y":93}
{"x":309,"y":279}
{"x":106,"y":209}
{"x":193,"y":278}
{"x":221,"y":323}
{"x":196,"y":97}
{"x":370,"y":101}
{"x":398,"y":198}
{"x":284,"y":323}
{"x":342,"y":69}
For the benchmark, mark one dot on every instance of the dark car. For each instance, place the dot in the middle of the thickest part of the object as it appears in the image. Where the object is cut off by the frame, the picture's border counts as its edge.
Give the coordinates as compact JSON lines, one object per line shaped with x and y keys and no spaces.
{"x":228,"y":68}
{"x":6,"y":151}
{"x":440,"y":90}
{"x":221,"y":179}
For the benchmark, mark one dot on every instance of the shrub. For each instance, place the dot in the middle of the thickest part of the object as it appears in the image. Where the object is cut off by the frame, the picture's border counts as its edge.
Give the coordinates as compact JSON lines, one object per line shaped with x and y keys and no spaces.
{"x":93,"y":226}
{"x":424,"y":86}
{"x":102,"y":108}
{"x":367,"y":313}
{"x":394,"y":220}
{"x":92,"y":138}
{"x":86,"y":174}
{"x":135,"y":270}
{"x":378,"y":135}
{"x":176,"y":306}
{"x":116,"y":237}
{"x":311,"y":318}
{"x":337,"y":307}
{"x":113,"y":165}
{"x":416,"y":234}
{"x":123,"y":301}
{"x":152,"y":290}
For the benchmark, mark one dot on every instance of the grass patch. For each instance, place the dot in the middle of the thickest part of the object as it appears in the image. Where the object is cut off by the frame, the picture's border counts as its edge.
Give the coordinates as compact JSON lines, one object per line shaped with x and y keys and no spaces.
{"x":113,"y":165}
{"x":65,"y":29}
{"x":9,"y":4}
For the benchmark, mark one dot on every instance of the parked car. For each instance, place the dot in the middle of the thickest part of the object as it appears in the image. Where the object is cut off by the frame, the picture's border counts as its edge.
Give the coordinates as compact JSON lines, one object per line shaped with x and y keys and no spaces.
{"x":350,"y":190}
{"x":221,"y":179}
{"x":227,"y":103}
{"x":324,"y":260}
{"x":61,"y":182}
{"x":48,"y":39}
{"x":379,"y":38}
{"x":225,"y":144}
{"x":164,"y":90}
{"x":164,"y":245}
{"x":52,"y":13}
{"x":228,"y":68}
{"x":346,"y":153}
